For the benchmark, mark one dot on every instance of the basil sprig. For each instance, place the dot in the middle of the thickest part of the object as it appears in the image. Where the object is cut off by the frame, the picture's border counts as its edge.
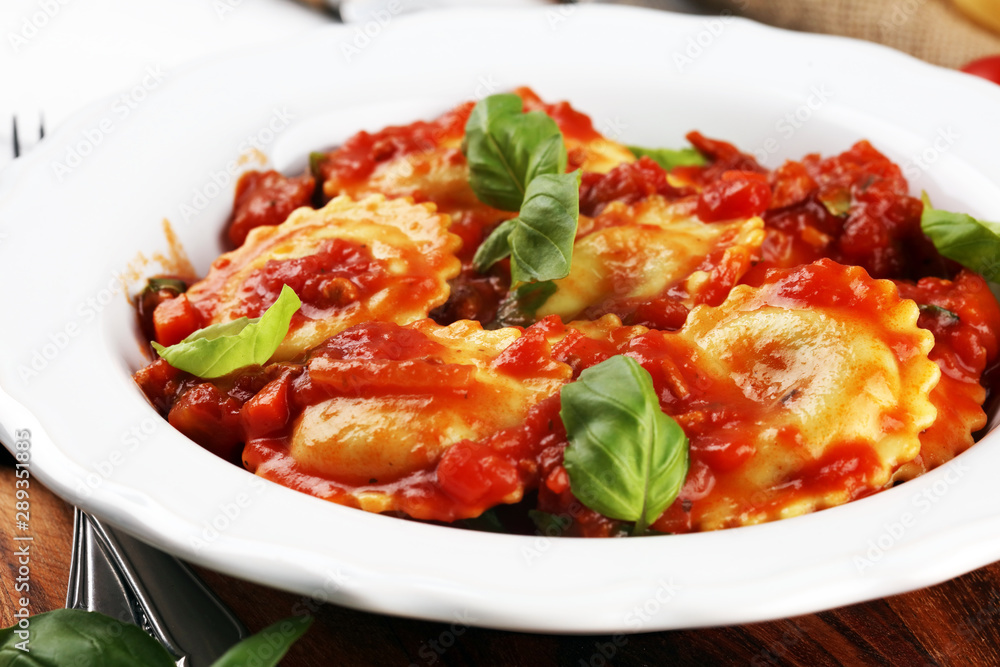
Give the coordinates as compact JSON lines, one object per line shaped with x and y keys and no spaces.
{"x":668,"y":158}
{"x":220,"y":349}
{"x":57,"y":637}
{"x":267,"y":647}
{"x":551,"y":525}
{"x":506,"y":149}
{"x":975,"y":244}
{"x":626,"y":459}
{"x":517,"y":162}
{"x":539,"y":240}
{"x":521,"y":303}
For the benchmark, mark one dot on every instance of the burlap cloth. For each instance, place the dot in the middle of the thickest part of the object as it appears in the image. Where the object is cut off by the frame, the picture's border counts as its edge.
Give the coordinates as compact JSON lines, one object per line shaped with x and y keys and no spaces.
{"x":934,"y":30}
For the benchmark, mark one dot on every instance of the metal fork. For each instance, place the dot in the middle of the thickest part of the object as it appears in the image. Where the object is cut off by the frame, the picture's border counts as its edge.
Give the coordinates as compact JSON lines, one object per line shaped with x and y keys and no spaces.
{"x":17,"y":143}
{"x":117,"y":575}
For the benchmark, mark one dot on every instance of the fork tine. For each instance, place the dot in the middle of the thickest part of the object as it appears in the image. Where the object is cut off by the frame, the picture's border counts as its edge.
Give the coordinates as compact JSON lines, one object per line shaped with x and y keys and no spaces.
{"x":17,"y":144}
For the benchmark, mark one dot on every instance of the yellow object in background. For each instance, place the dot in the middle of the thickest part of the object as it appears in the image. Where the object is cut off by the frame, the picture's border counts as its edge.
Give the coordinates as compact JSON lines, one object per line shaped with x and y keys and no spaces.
{"x":985,"y":12}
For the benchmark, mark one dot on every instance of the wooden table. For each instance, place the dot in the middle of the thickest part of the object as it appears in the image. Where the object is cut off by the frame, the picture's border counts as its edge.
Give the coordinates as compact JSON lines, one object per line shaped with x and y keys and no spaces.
{"x":955,"y":623}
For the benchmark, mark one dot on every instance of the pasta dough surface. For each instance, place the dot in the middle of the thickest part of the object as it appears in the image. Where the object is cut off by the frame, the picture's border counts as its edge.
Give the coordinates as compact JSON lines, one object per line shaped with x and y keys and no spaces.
{"x":645,"y":250}
{"x":831,"y":381}
{"x":350,"y":262}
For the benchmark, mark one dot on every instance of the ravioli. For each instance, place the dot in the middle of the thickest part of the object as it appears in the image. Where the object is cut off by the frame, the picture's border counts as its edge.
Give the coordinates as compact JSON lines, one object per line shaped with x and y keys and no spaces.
{"x":349,"y":262}
{"x":808,"y":386}
{"x":631,"y":253}
{"x":965,"y":320}
{"x":386,"y":402}
{"x":829,"y":392}
{"x":424,"y":161}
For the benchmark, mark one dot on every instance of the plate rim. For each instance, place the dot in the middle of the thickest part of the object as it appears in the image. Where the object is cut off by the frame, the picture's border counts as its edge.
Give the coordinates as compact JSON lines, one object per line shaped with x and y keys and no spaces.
{"x":377,"y":590}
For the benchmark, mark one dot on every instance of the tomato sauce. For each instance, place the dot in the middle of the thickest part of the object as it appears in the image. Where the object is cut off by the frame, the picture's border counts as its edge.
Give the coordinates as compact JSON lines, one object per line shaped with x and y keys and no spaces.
{"x":628,"y":183}
{"x":853,"y":208}
{"x":572,"y":123}
{"x":379,"y":358}
{"x":266,"y":198}
{"x":341,"y":273}
{"x":359,"y":155}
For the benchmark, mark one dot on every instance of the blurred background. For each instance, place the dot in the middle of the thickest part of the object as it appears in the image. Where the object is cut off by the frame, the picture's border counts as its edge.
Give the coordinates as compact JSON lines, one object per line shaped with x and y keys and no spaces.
{"x":59,"y":56}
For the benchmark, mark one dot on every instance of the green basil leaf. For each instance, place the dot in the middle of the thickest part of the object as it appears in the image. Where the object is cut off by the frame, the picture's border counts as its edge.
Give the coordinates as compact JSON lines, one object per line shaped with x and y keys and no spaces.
{"x":548,"y":524}
{"x":175,"y":285}
{"x":58,"y":637}
{"x":495,"y":247}
{"x":315,"y":164}
{"x":506,"y":149}
{"x":540,"y":240}
{"x":948,"y":317}
{"x":626,"y":458}
{"x":267,"y":647}
{"x":520,"y":305}
{"x":837,"y":203}
{"x":220,"y":349}
{"x":487,"y":522}
{"x":541,"y":243}
{"x":975,"y":244}
{"x":668,"y":158}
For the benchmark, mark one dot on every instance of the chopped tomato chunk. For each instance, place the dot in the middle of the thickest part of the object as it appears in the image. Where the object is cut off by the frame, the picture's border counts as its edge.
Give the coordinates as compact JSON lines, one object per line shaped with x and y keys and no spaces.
{"x":737,"y":194}
{"x":266,"y":198}
{"x":210,"y":418}
{"x":268,"y":411}
{"x":174,"y":320}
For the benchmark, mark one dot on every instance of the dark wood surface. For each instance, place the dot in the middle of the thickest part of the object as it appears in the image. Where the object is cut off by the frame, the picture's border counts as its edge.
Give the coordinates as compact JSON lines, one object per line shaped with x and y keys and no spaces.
{"x":955,"y":623}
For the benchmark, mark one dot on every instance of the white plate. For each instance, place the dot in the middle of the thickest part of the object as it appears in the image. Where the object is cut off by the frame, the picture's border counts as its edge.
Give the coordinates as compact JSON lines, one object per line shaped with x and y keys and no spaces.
{"x":645,"y":78}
